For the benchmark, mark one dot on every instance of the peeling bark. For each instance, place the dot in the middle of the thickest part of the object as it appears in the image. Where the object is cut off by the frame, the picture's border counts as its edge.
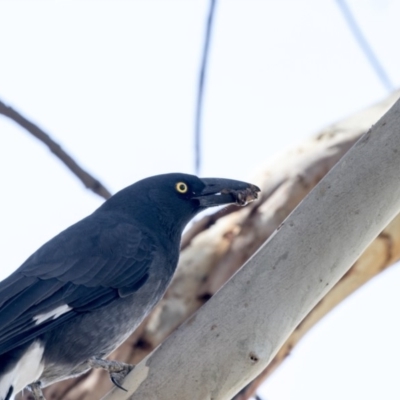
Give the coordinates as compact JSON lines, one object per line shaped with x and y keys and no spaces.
{"x":216,"y":246}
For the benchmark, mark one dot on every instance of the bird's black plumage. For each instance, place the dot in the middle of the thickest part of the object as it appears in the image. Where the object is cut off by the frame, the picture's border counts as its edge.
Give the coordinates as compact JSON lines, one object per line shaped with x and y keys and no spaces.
{"x":87,"y":266}
{"x":86,"y":289}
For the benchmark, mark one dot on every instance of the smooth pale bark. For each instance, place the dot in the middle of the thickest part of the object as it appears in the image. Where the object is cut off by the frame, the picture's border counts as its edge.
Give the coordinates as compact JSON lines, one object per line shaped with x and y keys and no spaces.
{"x":381,"y":253}
{"x":237,"y":333}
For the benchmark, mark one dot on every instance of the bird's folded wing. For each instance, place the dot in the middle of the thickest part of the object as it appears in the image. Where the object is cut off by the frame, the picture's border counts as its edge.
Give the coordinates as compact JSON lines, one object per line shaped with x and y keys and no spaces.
{"x":83,"y":268}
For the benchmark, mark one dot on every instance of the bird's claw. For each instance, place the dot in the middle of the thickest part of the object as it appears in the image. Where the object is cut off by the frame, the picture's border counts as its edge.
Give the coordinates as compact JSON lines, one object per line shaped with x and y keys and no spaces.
{"x":36,"y":391}
{"x":117,"y":370}
{"x":116,"y":378}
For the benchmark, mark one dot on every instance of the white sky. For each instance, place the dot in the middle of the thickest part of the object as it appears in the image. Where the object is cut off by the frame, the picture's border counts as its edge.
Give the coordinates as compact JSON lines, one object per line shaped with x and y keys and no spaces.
{"x":115,"y":83}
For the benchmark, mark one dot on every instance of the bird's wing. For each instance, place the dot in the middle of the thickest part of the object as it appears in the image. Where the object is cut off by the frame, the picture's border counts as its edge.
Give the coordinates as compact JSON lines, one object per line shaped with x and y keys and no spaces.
{"x":83,"y":268}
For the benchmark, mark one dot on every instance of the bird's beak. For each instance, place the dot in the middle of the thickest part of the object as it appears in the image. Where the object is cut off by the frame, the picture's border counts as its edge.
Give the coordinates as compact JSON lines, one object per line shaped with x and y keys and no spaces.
{"x":226,"y":191}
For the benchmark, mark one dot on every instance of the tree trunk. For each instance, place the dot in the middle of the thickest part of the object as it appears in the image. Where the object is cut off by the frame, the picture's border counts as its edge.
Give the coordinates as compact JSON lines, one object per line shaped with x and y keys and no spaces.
{"x":216,"y":246}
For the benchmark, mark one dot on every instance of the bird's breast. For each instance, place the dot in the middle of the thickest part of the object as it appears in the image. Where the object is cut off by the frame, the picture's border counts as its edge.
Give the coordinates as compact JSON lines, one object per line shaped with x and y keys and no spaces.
{"x":101,"y":331}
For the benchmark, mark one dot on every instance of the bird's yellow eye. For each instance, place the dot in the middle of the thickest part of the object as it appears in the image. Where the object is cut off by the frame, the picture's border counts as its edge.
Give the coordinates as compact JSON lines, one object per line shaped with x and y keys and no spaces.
{"x":181,"y":187}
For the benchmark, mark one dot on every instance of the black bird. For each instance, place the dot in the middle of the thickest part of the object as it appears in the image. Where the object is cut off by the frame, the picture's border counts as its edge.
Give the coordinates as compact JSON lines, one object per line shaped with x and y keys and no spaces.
{"x":81,"y":294}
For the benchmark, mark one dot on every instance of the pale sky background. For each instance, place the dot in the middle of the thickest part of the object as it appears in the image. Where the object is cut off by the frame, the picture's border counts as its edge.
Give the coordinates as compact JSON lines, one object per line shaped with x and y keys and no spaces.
{"x":115,"y":83}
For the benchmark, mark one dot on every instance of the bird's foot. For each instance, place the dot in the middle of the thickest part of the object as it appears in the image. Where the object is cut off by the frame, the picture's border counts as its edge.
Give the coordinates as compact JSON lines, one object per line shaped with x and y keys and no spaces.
{"x":36,"y":391}
{"x":117,"y":370}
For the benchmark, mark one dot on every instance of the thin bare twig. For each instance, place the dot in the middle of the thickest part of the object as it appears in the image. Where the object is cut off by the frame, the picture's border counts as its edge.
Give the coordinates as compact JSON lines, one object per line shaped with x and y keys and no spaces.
{"x":88,"y":180}
{"x":364,"y":45}
{"x":200,"y":90}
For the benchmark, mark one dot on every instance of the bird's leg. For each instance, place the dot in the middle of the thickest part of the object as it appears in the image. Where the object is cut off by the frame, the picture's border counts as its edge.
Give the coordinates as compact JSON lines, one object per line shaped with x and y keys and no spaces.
{"x":36,"y":390}
{"x":117,"y":370}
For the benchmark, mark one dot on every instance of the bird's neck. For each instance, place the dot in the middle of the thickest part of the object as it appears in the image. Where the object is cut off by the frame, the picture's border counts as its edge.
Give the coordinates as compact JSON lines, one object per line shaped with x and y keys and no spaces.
{"x":171,"y":224}
{"x":167,"y":223}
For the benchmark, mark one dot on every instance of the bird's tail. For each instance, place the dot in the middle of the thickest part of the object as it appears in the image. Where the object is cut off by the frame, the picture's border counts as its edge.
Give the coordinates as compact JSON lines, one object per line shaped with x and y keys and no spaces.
{"x":7,"y":391}
{"x":19,"y":368}
{"x":8,"y":371}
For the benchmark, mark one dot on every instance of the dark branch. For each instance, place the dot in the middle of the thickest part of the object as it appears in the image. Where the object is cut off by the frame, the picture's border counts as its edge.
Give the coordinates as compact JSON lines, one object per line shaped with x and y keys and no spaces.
{"x":200,"y":90}
{"x":87,"y":179}
{"x":364,"y":45}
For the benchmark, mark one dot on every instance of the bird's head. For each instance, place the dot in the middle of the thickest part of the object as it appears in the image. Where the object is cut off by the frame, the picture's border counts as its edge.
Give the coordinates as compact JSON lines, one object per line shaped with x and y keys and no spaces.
{"x":172,"y":200}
